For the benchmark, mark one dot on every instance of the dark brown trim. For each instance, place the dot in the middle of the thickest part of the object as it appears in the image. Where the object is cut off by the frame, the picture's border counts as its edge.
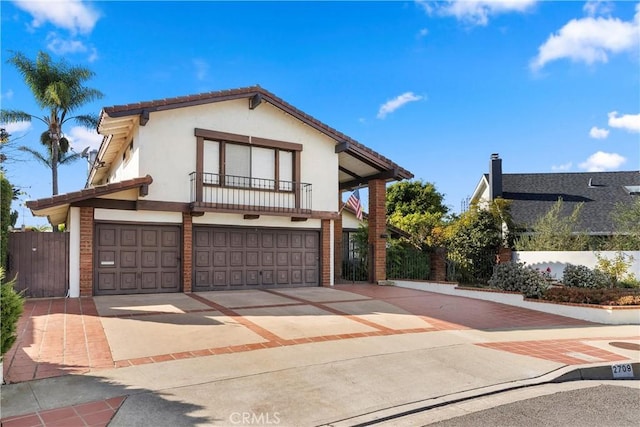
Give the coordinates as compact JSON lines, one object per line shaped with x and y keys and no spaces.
{"x":223,"y":162}
{"x":277,"y":171}
{"x":240,"y":209}
{"x":296,"y":178}
{"x":272,"y":143}
{"x":251,"y":216}
{"x":366,"y":160}
{"x":348,"y":172}
{"x":254,"y":101}
{"x":144,"y":117}
{"x":298,"y":219}
{"x":390,"y":174}
{"x":155,"y":205}
{"x":199,"y":167}
{"x":144,"y":190}
{"x":221,"y":136}
{"x":88,"y":193}
{"x":124,"y":205}
{"x":342,"y":146}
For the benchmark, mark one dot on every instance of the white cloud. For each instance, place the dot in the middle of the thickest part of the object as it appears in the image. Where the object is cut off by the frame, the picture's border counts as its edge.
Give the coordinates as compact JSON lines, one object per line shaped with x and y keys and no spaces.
{"x":597,"y":7}
{"x":476,"y":12}
{"x":601,"y":161}
{"x":73,"y":15}
{"x":397,"y":102}
{"x":7,"y":95}
{"x":629,"y":122}
{"x":93,"y":56}
{"x":562,"y":167}
{"x":423,"y":32}
{"x":201,"y":67}
{"x":80,"y":137}
{"x":598,"y":133}
{"x":590,"y":40}
{"x":60,"y":46}
{"x":16,"y":127}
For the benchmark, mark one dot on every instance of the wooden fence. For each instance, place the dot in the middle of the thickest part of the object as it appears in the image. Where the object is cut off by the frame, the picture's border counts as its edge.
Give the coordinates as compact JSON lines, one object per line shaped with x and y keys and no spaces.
{"x":41,"y":263}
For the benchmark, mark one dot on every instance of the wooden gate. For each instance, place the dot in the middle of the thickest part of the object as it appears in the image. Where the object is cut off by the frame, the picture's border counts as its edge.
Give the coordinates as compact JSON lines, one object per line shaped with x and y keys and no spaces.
{"x":41,"y":263}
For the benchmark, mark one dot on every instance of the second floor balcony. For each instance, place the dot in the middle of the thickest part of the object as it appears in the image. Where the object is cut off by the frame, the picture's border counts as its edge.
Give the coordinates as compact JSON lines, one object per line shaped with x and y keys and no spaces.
{"x":241,"y":194}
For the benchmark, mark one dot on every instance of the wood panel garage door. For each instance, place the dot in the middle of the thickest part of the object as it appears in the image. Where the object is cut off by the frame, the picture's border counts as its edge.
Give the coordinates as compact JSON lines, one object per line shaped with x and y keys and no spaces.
{"x":135,"y":259}
{"x":237,"y":258}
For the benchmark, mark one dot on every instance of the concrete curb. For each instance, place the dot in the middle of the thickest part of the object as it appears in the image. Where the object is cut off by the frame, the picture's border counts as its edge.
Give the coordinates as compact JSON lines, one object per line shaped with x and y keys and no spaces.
{"x":564,"y":374}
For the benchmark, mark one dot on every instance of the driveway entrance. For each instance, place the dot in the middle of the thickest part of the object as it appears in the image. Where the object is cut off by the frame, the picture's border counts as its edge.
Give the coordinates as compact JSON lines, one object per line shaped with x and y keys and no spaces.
{"x":62,"y":336}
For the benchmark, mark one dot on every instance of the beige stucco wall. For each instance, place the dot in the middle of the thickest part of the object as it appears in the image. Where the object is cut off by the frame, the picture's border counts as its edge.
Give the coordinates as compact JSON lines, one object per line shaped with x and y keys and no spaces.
{"x":166,"y":147}
{"x":129,"y":168}
{"x":263,"y":221}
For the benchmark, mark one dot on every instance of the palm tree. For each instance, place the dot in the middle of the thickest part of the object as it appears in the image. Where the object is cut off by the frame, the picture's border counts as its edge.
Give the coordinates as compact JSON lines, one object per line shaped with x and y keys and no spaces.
{"x":57,"y":88}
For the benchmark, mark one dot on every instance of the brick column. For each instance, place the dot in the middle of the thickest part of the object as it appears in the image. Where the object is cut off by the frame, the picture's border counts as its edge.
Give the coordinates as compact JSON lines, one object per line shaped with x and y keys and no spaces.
{"x":438,"y":264}
{"x":325,"y":253}
{"x":187,"y":251}
{"x":86,"y":252}
{"x":377,"y":228}
{"x":337,"y":249}
{"x":504,"y":255}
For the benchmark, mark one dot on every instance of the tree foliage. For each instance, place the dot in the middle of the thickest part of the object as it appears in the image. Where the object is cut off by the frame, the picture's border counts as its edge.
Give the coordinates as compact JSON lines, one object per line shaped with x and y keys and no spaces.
{"x":11,"y":306}
{"x":417,"y":208}
{"x":554,"y":232}
{"x":626,"y":218}
{"x":58,"y":88}
{"x":6,"y":195}
{"x":473,"y":240}
{"x":410,"y":197}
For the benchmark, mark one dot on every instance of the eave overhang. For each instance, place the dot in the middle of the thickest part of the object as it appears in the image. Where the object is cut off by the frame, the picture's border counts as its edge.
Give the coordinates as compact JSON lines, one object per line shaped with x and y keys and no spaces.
{"x":56,"y":208}
{"x":358,"y":163}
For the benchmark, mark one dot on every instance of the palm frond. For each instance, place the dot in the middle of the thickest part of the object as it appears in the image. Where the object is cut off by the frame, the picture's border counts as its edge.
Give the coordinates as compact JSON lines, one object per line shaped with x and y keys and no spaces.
{"x":13,"y":116}
{"x":87,"y":120}
{"x":68,"y":158}
{"x":38,"y":156}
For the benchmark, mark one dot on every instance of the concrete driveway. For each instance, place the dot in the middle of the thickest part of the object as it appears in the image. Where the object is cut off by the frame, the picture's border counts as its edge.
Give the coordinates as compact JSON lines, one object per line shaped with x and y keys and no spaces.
{"x":325,"y":344}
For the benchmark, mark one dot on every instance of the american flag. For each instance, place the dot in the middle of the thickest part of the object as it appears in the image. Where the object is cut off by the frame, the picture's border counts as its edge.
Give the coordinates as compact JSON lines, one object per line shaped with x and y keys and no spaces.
{"x":354,"y":203}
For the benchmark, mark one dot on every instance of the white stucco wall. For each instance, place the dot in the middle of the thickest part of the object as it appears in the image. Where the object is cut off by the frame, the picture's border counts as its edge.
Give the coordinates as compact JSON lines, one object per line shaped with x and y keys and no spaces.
{"x":137,"y":216}
{"x":167,"y":147}
{"x":129,"y":168}
{"x":263,"y":221}
{"x":558,"y":260}
{"x":73,"y":223}
{"x":349,"y":221}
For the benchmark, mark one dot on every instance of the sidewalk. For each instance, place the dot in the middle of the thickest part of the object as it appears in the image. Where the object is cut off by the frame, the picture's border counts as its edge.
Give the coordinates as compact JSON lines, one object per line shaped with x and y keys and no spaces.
{"x":326,"y":381}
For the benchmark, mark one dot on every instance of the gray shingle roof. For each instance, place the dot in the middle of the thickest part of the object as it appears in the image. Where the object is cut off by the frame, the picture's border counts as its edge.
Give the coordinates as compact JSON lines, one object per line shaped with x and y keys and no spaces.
{"x":533,"y":195}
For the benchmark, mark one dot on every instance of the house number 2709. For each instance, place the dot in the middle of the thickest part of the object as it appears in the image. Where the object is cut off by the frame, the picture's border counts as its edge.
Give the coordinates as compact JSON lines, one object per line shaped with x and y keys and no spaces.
{"x":624,"y":370}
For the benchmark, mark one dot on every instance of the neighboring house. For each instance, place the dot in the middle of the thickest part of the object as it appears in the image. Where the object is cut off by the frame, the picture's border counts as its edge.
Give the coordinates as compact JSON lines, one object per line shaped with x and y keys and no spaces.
{"x":532,"y":195}
{"x":234,"y":189}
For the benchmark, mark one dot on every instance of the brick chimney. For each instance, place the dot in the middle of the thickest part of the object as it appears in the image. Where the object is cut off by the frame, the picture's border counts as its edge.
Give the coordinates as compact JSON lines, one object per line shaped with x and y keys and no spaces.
{"x":495,"y":177}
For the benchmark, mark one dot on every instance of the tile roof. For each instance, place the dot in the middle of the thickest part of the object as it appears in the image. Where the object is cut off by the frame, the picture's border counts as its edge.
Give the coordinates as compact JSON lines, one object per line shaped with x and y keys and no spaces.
{"x":246,"y":92}
{"x":88,"y":193}
{"x":533,"y":195}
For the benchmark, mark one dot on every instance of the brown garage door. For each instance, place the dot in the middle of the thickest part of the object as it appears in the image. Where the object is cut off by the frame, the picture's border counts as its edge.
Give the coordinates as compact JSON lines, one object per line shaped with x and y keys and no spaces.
{"x":237,"y":258}
{"x":135,"y":259}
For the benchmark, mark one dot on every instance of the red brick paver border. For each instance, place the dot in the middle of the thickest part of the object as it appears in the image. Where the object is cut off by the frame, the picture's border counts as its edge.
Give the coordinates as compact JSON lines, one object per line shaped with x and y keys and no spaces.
{"x":56,"y":337}
{"x":566,"y":351}
{"x":94,"y":414}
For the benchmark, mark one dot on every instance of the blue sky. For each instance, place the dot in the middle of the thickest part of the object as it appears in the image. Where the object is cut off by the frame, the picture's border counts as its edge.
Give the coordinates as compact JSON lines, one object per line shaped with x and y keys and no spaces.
{"x":435,"y":86}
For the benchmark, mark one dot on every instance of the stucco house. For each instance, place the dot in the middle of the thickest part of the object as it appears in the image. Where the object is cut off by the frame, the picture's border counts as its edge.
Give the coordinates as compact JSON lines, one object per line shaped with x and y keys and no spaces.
{"x":234,"y":189}
{"x":533,"y":194}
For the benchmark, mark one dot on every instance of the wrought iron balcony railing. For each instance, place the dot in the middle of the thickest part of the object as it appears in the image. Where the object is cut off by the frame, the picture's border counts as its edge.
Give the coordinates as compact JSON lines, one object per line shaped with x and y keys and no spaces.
{"x":241,"y":193}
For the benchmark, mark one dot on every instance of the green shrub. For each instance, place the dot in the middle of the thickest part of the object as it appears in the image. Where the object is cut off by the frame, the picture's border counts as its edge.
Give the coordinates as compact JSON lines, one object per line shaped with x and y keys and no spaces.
{"x":11,"y":303}
{"x":579,"y":276}
{"x":617,"y":269}
{"x":593,"y":296}
{"x":517,"y":277}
